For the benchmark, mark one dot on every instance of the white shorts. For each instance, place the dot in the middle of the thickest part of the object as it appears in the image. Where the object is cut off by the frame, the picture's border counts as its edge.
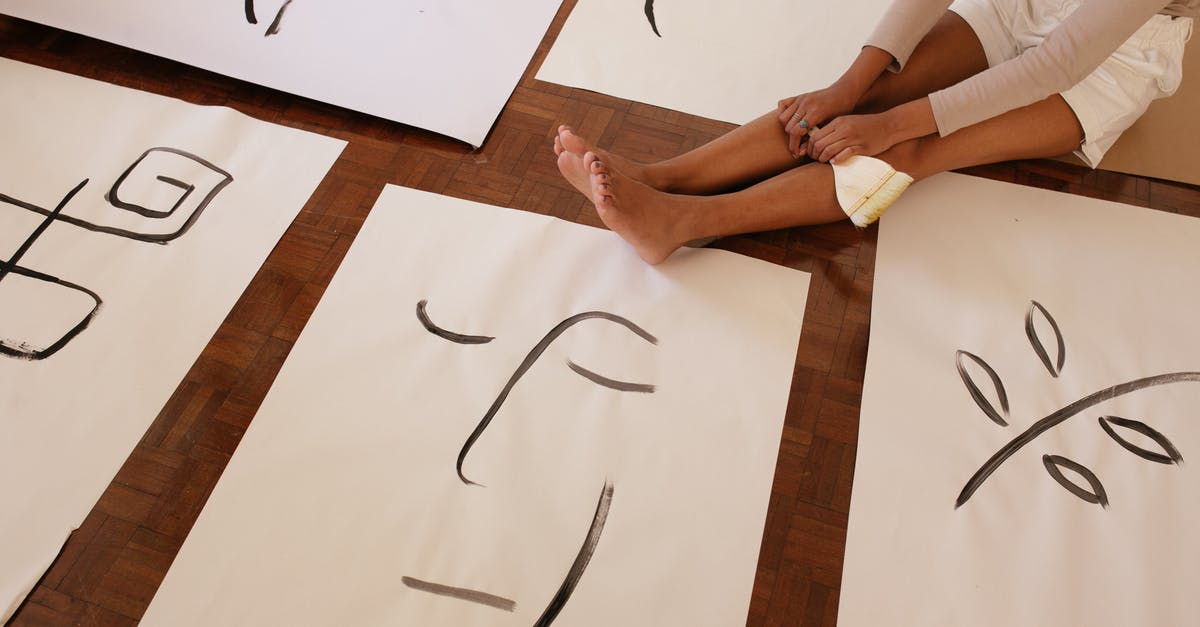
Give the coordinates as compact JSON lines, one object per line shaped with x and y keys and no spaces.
{"x":1147,"y":66}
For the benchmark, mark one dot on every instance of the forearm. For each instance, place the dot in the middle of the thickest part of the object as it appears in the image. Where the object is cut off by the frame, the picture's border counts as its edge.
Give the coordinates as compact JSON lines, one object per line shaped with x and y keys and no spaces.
{"x":910,"y":120}
{"x":870,"y":63}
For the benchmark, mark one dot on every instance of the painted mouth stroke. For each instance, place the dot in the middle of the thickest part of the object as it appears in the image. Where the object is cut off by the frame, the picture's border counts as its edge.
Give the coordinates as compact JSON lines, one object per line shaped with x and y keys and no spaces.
{"x":1094,"y":491}
{"x":592,"y":539}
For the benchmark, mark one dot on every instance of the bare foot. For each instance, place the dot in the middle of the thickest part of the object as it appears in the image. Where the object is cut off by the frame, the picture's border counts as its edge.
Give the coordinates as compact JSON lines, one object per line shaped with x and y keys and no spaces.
{"x":655,"y":223}
{"x":570,"y":149}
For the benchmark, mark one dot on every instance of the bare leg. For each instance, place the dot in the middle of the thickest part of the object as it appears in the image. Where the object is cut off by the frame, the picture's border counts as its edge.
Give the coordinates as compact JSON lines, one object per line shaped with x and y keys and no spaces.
{"x":758,"y":150}
{"x":656,"y":223}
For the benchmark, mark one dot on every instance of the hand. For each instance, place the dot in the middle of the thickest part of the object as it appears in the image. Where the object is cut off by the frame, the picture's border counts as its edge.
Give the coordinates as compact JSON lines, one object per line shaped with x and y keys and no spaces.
{"x":814,"y":108}
{"x":852,"y":135}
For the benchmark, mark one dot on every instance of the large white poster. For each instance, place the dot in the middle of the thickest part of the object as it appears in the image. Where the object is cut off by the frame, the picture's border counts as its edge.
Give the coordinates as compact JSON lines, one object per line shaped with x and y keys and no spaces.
{"x":725,"y":60}
{"x":1029,"y":416}
{"x":499,"y":418}
{"x":129,"y":225}
{"x":446,"y":66}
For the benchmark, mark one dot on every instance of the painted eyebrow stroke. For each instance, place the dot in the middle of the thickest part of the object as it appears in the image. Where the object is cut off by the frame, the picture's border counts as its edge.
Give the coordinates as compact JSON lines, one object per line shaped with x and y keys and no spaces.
{"x":457,"y":338}
{"x":620,"y":386}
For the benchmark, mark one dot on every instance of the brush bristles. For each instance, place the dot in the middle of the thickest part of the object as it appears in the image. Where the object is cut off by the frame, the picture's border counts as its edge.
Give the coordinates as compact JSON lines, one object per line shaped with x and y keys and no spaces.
{"x":866,"y":187}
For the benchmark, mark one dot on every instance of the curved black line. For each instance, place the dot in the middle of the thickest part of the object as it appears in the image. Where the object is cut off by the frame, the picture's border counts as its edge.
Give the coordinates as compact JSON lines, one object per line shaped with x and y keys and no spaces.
{"x":37,"y":355}
{"x":274,"y":27}
{"x":528,"y":362}
{"x":1054,"y":465}
{"x":462,"y":594}
{"x":250,"y":17}
{"x":1038,"y":347}
{"x":650,"y":16}
{"x":10,"y":266}
{"x":581,"y":560}
{"x":1056,"y":418}
{"x":1172,"y":457}
{"x":457,"y":338}
{"x":620,"y":386}
{"x":976,"y":394}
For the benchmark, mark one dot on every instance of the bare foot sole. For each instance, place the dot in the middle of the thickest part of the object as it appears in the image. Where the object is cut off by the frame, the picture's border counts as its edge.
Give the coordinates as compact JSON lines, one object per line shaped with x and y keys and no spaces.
{"x":653,"y":222}
{"x":570,"y":165}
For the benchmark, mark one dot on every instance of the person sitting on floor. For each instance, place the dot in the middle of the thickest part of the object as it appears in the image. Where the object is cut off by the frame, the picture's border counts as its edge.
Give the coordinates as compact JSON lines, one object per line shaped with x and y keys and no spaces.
{"x":973,"y":82}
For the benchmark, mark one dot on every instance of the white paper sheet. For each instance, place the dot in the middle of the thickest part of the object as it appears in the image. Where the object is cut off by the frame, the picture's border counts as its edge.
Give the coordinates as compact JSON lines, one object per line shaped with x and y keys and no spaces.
{"x":729,"y":61}
{"x":446,"y":66}
{"x":71,"y":408}
{"x":344,"y":495}
{"x":960,"y":262}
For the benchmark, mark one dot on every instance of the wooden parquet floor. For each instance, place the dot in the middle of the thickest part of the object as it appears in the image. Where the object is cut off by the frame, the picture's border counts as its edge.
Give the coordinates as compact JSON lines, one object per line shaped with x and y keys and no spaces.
{"x":110,"y":568}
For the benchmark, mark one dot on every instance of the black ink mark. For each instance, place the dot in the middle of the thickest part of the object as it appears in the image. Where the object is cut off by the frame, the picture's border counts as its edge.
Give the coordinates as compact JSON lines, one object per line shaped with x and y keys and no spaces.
{"x":10,"y":266}
{"x":1054,"y":367}
{"x":978,"y":395}
{"x":464,"y":594}
{"x":51,"y":216}
{"x":274,"y":27}
{"x":1172,"y":454}
{"x":21,"y":350}
{"x":250,"y":17}
{"x":457,"y":338}
{"x":113,"y":197}
{"x":1054,"y":465}
{"x":622,"y":386}
{"x":530,"y":359}
{"x":650,"y":16}
{"x":1056,"y":418}
{"x":581,"y":560}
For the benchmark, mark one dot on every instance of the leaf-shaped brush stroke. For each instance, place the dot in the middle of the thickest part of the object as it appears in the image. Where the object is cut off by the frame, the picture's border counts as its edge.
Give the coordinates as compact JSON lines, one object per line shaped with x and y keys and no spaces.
{"x":650,"y":16}
{"x":1054,"y":366}
{"x":977,"y":394}
{"x":1172,"y":455}
{"x":1054,"y":465}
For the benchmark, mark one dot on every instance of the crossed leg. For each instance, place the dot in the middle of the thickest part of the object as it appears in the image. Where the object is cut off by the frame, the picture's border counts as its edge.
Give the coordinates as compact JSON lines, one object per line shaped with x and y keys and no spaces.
{"x":658,"y":207}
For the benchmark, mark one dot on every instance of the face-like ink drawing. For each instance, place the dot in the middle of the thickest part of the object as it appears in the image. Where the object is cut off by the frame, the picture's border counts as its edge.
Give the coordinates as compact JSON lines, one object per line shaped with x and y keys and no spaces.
{"x":1094,"y":491}
{"x":159,"y":159}
{"x":592,"y":537}
{"x":273,"y":29}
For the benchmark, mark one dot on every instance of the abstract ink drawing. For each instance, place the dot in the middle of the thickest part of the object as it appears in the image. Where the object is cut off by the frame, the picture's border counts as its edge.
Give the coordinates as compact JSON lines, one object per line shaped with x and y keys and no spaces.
{"x":1091,"y":489}
{"x":592,"y":538}
{"x":159,"y":164}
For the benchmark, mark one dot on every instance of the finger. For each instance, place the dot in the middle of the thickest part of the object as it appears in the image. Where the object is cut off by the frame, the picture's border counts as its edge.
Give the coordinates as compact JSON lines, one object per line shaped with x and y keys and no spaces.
{"x":786,"y":114}
{"x":794,"y":144}
{"x":785,"y":103}
{"x":832,"y":149}
{"x":846,"y":154}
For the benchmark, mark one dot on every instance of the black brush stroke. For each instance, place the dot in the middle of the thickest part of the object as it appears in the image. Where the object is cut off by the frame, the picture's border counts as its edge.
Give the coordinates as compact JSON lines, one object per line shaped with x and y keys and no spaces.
{"x":111,"y":196}
{"x":621,"y":386}
{"x":1056,"y":418}
{"x":650,"y":16}
{"x":10,"y":267}
{"x":274,"y":27}
{"x":581,"y":560}
{"x":462,"y":594}
{"x":250,"y":17}
{"x":1056,"y":367}
{"x":457,"y":338}
{"x":51,"y":216}
{"x":528,"y":362}
{"x":37,"y":355}
{"x":1054,"y":465}
{"x":978,"y":395}
{"x":1172,"y":454}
